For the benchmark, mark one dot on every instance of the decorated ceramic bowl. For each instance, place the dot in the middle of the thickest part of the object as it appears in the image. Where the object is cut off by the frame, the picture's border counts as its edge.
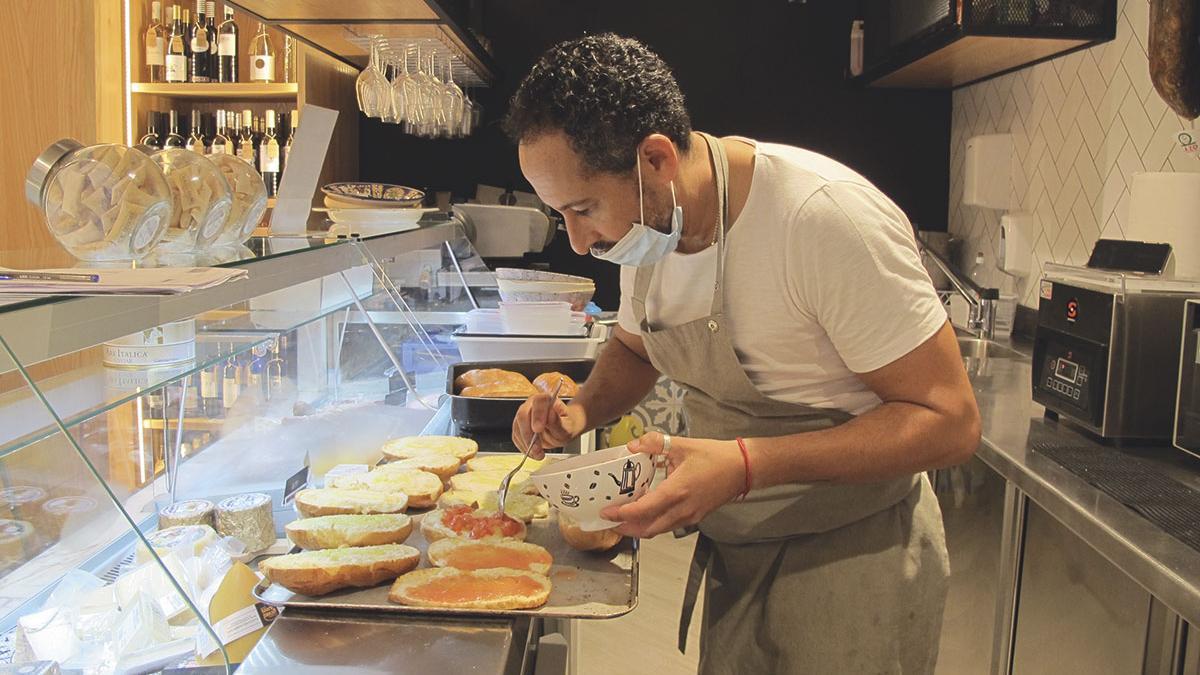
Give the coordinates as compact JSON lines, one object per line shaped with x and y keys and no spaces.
{"x":581,"y":486}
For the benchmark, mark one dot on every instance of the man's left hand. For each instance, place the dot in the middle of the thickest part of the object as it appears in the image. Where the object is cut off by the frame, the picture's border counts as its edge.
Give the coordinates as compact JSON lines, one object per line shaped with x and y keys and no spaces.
{"x":702,"y":474}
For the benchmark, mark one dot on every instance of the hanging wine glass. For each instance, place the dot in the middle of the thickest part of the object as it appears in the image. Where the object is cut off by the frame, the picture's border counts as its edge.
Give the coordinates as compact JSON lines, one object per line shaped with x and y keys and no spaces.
{"x":452,"y":102}
{"x":369,"y":83}
{"x":387,"y":104}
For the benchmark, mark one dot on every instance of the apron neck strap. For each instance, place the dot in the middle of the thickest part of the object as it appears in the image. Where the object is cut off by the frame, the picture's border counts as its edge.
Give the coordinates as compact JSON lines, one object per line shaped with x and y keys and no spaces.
{"x":641,"y":285}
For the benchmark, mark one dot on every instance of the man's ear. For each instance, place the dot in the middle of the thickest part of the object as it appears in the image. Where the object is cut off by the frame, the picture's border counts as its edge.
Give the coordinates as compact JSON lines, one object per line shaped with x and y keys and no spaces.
{"x":660,"y":159}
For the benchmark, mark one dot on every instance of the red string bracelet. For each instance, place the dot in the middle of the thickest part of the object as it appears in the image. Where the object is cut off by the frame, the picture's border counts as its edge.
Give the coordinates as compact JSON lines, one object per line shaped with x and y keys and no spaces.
{"x":745,"y":460}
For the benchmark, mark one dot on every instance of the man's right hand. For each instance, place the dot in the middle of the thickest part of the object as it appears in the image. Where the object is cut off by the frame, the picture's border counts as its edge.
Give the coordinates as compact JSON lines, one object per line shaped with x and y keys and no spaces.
{"x":555,"y":427}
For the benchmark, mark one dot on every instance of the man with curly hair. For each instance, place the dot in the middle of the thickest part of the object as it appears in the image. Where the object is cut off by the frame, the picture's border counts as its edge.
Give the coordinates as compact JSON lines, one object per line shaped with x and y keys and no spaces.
{"x":786,"y":294}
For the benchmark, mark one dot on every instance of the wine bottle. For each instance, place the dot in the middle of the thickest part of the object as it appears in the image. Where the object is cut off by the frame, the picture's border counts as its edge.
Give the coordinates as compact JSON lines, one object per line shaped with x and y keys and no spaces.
{"x":221,"y":144}
{"x":227,"y":48}
{"x":268,"y":156}
{"x":286,"y":152}
{"x":210,"y":32}
{"x":156,"y":43}
{"x":246,"y":139}
{"x":151,"y":138}
{"x":195,"y":139}
{"x":210,"y":391}
{"x":262,"y":56}
{"x":198,"y":39}
{"x":173,"y":140}
{"x":175,"y":60}
{"x":229,"y":383}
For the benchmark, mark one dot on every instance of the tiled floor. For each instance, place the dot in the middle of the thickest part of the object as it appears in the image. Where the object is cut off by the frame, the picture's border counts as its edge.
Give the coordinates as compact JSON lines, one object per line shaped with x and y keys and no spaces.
{"x":643,"y":641}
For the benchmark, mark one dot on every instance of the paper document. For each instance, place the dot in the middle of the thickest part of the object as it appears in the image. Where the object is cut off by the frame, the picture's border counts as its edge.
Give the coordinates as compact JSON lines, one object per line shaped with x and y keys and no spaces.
{"x":146,"y":281}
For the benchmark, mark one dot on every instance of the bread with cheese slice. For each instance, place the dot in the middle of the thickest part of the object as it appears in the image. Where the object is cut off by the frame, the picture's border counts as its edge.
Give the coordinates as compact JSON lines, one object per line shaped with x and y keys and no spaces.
{"x":333,"y":501}
{"x":349,"y":530}
{"x":498,"y":589}
{"x":423,"y":488}
{"x":321,"y":572}
{"x":442,"y":466}
{"x":506,"y":462}
{"x":413,"y":446}
{"x":489,"y":481}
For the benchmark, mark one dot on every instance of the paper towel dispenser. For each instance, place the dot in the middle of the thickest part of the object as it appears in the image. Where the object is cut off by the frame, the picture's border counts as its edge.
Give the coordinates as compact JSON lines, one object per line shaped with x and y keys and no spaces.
{"x":987,"y":177}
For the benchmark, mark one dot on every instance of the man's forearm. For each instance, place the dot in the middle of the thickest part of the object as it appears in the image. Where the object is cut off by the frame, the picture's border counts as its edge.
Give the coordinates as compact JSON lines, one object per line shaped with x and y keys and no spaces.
{"x":893,"y":440}
{"x":619,"y":381}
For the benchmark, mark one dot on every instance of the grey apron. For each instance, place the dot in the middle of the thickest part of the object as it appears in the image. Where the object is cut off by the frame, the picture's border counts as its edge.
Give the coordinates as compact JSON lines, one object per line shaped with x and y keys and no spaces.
{"x":801,"y":578}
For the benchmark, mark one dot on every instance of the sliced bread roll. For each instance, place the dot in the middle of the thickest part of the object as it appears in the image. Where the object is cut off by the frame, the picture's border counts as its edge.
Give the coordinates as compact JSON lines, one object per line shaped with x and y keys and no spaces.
{"x":478,"y":589}
{"x":581,"y":540}
{"x":521,"y":506}
{"x":467,"y":523}
{"x":349,"y":530}
{"x":423,"y":488}
{"x":321,"y":572}
{"x":332,"y":501}
{"x":489,"y":481}
{"x":442,"y":466}
{"x":467,"y":554}
{"x":505,"y":462}
{"x":413,"y":446}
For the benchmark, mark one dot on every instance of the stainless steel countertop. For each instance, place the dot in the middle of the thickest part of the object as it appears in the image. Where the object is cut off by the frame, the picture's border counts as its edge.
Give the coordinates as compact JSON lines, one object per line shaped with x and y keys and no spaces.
{"x":1012,"y":423}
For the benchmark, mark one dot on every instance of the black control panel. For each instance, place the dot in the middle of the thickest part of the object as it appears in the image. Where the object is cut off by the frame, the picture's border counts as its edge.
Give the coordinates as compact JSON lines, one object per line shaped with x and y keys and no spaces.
{"x":1070,"y":353}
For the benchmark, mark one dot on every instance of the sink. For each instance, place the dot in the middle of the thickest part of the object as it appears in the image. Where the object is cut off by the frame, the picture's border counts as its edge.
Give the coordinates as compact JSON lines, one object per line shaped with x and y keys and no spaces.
{"x":977,"y":348}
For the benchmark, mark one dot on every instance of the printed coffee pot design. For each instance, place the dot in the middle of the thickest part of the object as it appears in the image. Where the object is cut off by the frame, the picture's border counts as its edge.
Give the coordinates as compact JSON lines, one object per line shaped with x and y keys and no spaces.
{"x":630,"y":472}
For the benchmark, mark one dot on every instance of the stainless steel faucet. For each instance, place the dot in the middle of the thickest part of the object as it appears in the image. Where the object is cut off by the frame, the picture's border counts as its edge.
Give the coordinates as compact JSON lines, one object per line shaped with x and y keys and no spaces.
{"x":982,"y":317}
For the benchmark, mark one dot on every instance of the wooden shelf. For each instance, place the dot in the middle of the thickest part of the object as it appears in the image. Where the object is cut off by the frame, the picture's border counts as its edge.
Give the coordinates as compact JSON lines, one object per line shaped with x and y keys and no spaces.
{"x":275,"y":91}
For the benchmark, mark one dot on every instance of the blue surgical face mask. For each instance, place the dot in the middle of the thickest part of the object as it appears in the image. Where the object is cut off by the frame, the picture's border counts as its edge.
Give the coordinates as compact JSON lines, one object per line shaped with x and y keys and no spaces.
{"x":644,"y":245}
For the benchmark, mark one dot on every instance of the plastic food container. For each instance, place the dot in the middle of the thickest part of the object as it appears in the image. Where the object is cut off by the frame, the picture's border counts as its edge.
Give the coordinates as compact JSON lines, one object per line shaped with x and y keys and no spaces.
{"x":525,"y":347}
{"x":201,"y":200}
{"x":536,"y":318}
{"x":102,"y":202}
{"x":249,"y":195}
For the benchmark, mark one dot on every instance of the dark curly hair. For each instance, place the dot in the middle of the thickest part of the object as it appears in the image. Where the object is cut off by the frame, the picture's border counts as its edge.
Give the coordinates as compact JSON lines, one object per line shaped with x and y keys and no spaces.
{"x":607,"y":93}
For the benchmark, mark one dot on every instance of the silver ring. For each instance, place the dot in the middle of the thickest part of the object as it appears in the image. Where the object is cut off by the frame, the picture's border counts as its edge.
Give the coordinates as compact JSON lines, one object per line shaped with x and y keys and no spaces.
{"x":666,"y":442}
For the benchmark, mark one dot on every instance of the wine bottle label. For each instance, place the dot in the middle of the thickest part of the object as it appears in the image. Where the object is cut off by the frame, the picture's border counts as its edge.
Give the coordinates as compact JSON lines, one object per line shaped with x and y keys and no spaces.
{"x":229,"y":392}
{"x":176,"y":68}
{"x":246,"y":152}
{"x":208,"y":384}
{"x":262,"y":68}
{"x":155,"y":50}
{"x":227,"y":45}
{"x":228,"y":148}
{"x":269,"y":161}
{"x":199,"y":44}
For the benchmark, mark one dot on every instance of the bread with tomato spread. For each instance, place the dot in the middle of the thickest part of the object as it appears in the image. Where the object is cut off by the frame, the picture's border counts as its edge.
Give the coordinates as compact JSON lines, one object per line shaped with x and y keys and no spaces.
{"x":468,"y":554}
{"x":468,"y":523}
{"x":499,"y":589}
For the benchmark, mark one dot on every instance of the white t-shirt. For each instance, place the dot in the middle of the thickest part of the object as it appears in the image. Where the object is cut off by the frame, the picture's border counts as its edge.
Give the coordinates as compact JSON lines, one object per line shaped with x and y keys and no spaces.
{"x":822,"y":280}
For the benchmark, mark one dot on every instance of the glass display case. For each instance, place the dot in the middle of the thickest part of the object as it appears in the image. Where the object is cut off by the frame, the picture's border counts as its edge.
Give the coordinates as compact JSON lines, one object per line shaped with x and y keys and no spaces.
{"x":327,"y":349}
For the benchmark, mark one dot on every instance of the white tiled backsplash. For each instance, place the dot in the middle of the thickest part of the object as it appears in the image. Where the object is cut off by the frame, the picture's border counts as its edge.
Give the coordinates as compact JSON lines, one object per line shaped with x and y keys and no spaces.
{"x":1083,"y":124}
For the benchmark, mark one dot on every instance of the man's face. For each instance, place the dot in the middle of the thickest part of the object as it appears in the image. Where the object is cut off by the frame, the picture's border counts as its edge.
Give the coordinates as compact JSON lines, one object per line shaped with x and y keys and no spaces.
{"x":599,"y":208}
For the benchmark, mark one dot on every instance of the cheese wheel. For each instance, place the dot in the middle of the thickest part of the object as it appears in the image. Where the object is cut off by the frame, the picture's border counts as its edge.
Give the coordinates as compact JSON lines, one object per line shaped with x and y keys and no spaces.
{"x":16,"y":541}
{"x":247,"y":517}
{"x":187,"y":512}
{"x":187,"y":539}
{"x":65,"y":514}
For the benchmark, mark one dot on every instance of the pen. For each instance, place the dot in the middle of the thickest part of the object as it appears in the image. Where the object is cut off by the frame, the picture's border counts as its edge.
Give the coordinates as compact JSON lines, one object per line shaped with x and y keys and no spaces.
{"x":48,"y":276}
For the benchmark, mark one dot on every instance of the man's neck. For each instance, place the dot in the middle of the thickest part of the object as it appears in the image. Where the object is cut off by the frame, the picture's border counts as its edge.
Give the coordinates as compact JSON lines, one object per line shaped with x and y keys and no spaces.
{"x":696,"y":192}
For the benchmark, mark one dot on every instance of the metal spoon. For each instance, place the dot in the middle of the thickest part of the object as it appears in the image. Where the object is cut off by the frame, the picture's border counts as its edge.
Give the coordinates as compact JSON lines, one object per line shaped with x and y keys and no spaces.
{"x":502,"y":494}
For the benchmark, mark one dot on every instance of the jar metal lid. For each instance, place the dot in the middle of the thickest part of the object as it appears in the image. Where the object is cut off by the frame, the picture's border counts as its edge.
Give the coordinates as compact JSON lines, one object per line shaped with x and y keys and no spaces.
{"x":35,"y":180}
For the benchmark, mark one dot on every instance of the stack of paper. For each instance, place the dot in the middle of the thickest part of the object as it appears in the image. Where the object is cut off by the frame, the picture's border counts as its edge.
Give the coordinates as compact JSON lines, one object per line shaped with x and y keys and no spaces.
{"x":147,"y":281}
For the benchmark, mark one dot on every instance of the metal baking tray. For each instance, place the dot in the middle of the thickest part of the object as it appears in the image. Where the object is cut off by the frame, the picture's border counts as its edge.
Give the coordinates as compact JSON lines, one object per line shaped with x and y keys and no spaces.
{"x":584,"y":585}
{"x":472,"y":414}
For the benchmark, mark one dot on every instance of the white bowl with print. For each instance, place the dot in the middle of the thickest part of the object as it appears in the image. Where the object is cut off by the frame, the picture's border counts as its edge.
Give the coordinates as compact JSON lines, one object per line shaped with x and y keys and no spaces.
{"x":581,"y":486}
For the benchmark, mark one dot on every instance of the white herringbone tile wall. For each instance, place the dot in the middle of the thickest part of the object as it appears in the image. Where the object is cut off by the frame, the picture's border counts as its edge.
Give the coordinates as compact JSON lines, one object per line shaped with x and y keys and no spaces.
{"x":1083,"y":124}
